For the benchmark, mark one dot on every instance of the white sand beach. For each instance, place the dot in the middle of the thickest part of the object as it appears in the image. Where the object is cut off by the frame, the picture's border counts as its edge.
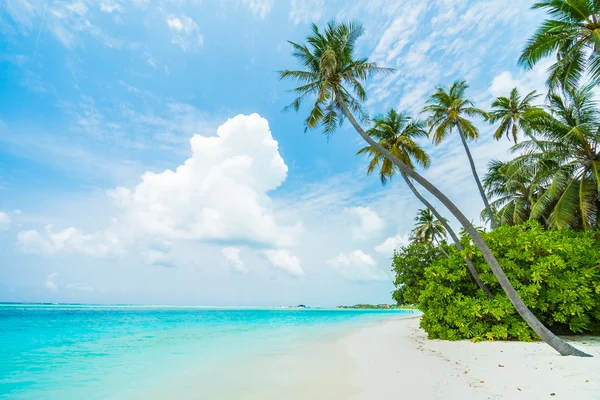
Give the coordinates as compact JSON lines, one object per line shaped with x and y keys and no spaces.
{"x":396,"y":360}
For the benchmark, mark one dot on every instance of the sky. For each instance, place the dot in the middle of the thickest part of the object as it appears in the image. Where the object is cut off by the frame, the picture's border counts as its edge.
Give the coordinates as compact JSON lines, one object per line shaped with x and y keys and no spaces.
{"x":145,"y":157}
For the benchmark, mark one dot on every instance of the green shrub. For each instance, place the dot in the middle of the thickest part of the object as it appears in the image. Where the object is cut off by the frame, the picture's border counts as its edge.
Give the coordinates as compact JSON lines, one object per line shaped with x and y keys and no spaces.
{"x":409,"y":264}
{"x":556,"y":273}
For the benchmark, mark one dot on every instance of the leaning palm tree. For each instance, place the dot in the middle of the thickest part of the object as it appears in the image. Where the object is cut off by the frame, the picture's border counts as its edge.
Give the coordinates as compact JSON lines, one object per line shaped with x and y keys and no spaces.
{"x":397,"y":132}
{"x":334,"y":78}
{"x":448,"y":111}
{"x":572,"y":33}
{"x":570,"y":135}
{"x":427,"y":228}
{"x":509,"y":112}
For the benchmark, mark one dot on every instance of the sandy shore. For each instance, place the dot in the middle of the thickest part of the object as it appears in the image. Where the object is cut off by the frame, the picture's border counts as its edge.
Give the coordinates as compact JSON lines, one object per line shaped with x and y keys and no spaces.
{"x":395,"y":360}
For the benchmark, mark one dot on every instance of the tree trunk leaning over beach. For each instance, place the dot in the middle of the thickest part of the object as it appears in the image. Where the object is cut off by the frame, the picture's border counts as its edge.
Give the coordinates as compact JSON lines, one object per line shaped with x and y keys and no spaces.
{"x":452,"y":234}
{"x":544,"y":333}
{"x":330,"y":66}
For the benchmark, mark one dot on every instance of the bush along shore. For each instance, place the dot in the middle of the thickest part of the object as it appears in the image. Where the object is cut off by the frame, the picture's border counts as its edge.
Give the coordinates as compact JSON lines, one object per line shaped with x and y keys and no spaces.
{"x":556,"y":272}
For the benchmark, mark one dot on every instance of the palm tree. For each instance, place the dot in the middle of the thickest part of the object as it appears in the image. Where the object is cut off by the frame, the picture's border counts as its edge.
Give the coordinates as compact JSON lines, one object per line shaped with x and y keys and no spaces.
{"x":335,"y":77}
{"x":570,"y":133}
{"x":427,"y":228}
{"x":509,"y":111}
{"x":515,"y":189}
{"x":573,"y":33}
{"x":396,"y":132}
{"x":447,"y":112}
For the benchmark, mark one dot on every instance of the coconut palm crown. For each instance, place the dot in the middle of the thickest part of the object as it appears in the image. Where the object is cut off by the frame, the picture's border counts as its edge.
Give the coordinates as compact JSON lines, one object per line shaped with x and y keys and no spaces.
{"x":448,"y":111}
{"x":331,"y":74}
{"x":396,"y":132}
{"x":509,"y":112}
{"x":428,"y":228}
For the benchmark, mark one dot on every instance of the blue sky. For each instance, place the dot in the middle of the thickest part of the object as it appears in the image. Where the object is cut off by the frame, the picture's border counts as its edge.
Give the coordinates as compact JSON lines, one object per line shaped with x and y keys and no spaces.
{"x":99,"y":101}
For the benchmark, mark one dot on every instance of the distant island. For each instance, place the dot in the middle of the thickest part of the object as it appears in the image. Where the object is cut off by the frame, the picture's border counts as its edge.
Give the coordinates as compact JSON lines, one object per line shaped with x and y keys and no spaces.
{"x":377,"y":306}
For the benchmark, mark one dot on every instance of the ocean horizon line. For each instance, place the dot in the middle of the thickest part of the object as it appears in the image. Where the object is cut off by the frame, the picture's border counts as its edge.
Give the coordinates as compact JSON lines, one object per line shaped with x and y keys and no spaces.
{"x":208,"y":307}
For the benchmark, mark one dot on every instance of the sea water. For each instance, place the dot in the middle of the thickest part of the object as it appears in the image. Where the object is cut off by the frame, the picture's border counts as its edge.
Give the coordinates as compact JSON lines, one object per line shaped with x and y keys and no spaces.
{"x":99,"y":352}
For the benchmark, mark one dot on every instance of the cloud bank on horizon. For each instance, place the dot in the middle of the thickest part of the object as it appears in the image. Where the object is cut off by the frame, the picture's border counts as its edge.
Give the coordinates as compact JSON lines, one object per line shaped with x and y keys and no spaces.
{"x":144,"y":157}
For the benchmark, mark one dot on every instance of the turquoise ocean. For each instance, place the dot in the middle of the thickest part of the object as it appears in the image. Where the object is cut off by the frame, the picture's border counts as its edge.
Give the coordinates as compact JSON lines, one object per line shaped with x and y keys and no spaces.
{"x":100,"y":352}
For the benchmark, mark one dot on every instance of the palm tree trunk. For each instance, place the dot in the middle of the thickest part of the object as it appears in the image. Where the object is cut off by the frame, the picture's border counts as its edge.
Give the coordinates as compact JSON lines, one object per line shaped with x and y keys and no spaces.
{"x":438,"y":244}
{"x":452,"y":234}
{"x":477,"y":181}
{"x":544,"y":333}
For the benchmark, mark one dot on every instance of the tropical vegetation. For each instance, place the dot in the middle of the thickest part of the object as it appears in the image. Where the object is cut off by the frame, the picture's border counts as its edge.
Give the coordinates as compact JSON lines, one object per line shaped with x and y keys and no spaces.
{"x":572,"y":36}
{"x":556,"y":272}
{"x":538,"y":266}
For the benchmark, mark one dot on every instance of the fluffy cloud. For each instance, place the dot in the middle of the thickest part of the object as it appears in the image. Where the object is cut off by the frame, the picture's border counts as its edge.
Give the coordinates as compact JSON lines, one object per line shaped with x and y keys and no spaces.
{"x":390,"y":244}
{"x":284,"y":260}
{"x":369,"y":222}
{"x":232,"y":257}
{"x":259,"y":8}
{"x":186,"y":32}
{"x":525,"y":81}
{"x":357,"y":266}
{"x":69,"y":240}
{"x":306,"y":11}
{"x":4,"y":221}
{"x":50,"y":284}
{"x":219,"y":194}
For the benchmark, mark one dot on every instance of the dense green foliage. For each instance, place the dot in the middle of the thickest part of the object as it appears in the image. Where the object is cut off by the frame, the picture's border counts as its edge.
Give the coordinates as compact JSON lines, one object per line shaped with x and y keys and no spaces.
{"x":557,"y":274}
{"x":572,"y":35}
{"x":409,"y":264}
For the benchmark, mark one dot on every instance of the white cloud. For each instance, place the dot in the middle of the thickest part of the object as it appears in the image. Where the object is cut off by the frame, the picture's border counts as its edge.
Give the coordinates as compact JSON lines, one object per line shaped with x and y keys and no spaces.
{"x":304,"y":11}
{"x":50,"y":284}
{"x":525,"y":81}
{"x":219,"y":193}
{"x":4,"y":221}
{"x":68,"y":22}
{"x":357,"y":266}
{"x":186,"y":32}
{"x":232,"y":257}
{"x":427,"y":42}
{"x":69,"y":240}
{"x":398,"y":34}
{"x":369,"y":222}
{"x":110,"y":6}
{"x":259,"y":8}
{"x":284,"y":260}
{"x":392,"y":243}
